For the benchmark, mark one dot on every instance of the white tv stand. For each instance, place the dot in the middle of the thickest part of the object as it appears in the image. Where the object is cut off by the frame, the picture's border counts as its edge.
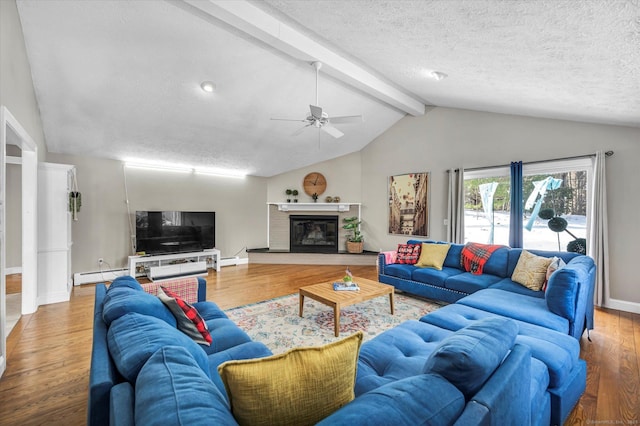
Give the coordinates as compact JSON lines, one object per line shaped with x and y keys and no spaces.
{"x":165,"y":266}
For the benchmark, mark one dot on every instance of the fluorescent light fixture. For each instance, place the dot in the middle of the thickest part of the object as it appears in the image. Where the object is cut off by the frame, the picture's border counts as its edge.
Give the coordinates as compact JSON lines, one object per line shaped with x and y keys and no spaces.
{"x":237,"y":174}
{"x":159,"y":167}
{"x":208,"y":86}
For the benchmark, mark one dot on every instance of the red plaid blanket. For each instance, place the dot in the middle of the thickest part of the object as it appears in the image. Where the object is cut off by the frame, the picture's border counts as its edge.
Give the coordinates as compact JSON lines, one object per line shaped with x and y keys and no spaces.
{"x":185,"y":288}
{"x":475,"y":255}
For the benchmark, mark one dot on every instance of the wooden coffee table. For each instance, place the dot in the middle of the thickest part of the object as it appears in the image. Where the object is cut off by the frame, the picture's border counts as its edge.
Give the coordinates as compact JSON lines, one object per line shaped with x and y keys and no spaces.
{"x":324,"y":293}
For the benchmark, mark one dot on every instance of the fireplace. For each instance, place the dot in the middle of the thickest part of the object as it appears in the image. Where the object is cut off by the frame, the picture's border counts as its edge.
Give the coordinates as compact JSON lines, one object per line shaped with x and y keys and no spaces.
{"x":313,"y":234}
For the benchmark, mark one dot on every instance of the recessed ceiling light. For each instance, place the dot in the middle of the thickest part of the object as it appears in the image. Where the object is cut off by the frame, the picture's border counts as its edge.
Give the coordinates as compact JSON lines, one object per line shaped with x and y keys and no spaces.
{"x":437,"y":75}
{"x":208,"y":86}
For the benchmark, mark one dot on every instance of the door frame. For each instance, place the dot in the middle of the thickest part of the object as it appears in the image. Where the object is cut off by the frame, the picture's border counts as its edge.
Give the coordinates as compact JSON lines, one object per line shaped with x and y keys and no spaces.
{"x":12,"y":133}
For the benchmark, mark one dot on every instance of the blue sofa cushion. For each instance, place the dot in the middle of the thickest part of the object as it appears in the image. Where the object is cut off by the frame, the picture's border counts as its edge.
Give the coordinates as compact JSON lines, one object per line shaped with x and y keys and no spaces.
{"x":133,"y":338}
{"x":396,"y":354}
{"x":171,"y":389}
{"x":426,"y":399}
{"x":469,"y":356}
{"x":470,"y":283}
{"x":224,"y":334}
{"x":122,"y":300}
{"x":209,"y":310}
{"x":434,"y":276}
{"x":517,"y":306}
{"x":399,"y":270}
{"x":508,"y":285}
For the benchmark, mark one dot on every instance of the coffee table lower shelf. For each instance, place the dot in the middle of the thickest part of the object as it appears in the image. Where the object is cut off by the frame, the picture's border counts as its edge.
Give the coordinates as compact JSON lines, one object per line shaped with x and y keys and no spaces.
{"x":325,"y":294}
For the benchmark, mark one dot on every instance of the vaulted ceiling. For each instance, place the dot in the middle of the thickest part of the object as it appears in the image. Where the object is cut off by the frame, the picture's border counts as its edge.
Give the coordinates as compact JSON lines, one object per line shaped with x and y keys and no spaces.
{"x":121,"y":79}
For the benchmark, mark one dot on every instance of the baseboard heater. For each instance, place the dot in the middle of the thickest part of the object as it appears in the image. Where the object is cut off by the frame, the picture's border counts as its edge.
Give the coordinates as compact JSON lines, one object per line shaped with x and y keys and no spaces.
{"x":80,"y":278}
{"x":232,"y":261}
{"x":186,"y":269}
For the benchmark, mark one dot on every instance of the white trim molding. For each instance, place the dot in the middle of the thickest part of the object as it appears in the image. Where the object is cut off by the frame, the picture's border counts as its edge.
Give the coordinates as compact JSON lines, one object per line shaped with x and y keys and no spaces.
{"x":623,"y":305}
{"x":315,"y":207}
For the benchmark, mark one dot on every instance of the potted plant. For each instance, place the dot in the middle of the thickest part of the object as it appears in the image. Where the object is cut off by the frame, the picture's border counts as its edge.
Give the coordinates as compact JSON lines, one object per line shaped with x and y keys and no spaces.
{"x":355,"y":240}
{"x":288,"y":192}
{"x":295,"y":195}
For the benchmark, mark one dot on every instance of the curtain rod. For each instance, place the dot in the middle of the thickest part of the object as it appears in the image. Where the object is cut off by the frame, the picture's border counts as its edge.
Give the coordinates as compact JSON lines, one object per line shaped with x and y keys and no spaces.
{"x":475,"y":169}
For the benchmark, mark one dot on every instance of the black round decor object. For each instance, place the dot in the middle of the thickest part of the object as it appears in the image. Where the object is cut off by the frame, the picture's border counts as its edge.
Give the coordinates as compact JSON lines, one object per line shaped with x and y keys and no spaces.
{"x":546,"y":214}
{"x":579,"y":245}
{"x":557,"y":224}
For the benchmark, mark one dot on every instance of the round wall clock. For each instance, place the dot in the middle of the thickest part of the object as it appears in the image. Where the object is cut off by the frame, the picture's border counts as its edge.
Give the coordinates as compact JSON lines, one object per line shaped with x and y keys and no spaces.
{"x":314,"y":183}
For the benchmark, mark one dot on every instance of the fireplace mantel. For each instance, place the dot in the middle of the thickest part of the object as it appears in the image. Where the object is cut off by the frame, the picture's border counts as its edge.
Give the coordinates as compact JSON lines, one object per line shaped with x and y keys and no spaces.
{"x":315,"y":207}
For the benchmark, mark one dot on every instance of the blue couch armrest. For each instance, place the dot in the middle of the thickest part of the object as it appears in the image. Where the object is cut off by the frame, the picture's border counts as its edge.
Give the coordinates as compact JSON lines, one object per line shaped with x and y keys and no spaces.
{"x":121,"y":405}
{"x":505,"y":396}
{"x":103,"y":374}
{"x":202,"y":289}
{"x":570,"y":294}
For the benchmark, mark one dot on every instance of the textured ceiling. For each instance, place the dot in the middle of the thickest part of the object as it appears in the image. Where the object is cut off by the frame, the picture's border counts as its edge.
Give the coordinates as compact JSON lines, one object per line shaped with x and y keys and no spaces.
{"x":120,"y":79}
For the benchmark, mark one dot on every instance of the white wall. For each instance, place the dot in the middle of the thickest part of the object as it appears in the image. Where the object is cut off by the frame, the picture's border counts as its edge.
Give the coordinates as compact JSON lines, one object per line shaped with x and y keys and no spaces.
{"x":343,"y":176}
{"x":449,"y":138}
{"x":103,"y":226}
{"x":16,"y":86}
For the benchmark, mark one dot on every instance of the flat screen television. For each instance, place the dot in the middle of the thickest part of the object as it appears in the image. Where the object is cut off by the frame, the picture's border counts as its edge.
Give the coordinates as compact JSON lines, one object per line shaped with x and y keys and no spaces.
{"x":160,"y":232}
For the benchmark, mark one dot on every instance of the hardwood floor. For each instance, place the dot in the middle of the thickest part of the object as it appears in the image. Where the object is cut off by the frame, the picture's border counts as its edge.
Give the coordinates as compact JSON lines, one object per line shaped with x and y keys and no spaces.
{"x":49,"y":352}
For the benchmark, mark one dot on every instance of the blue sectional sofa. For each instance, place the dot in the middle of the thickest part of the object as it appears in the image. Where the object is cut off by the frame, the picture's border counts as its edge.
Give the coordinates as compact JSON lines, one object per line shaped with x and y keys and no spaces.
{"x":566,"y":305}
{"x":460,"y":365}
{"x":145,"y":373}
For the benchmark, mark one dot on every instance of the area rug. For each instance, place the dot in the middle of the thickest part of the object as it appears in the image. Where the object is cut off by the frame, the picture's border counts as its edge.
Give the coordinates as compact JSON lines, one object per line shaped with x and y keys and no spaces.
{"x":277,"y":323}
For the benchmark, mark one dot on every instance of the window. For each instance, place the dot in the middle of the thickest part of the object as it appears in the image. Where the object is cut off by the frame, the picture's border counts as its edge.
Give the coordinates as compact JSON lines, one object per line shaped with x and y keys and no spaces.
{"x":555,"y":195}
{"x":487,"y":206}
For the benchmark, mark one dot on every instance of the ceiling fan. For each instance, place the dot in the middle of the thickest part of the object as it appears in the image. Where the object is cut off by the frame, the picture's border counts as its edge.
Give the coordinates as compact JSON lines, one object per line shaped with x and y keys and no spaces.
{"x":319,"y":119}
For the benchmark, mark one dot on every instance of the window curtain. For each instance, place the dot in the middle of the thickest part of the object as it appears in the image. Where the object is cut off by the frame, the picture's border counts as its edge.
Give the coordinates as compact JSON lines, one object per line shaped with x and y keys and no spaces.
{"x":517,"y":212}
{"x":598,"y":241}
{"x":455,"y":207}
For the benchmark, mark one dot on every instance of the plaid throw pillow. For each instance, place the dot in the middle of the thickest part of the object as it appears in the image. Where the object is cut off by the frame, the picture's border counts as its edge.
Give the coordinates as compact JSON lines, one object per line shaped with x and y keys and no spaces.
{"x":408,"y":253}
{"x":189,"y":320}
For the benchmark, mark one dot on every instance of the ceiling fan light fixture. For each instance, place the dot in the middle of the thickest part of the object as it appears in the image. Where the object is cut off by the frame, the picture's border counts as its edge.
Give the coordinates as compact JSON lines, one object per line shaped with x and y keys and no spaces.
{"x":208,"y":86}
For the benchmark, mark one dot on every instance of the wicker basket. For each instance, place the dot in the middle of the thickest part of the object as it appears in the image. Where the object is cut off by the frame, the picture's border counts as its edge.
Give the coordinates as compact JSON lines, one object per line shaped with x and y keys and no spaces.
{"x":354,"y":247}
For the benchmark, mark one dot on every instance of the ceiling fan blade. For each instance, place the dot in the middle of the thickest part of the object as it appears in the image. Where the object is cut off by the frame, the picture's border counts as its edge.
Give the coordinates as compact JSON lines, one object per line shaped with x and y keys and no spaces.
{"x":316,"y":112}
{"x":346,"y":119}
{"x":300,"y":130}
{"x":288,"y":119}
{"x":332,"y":131}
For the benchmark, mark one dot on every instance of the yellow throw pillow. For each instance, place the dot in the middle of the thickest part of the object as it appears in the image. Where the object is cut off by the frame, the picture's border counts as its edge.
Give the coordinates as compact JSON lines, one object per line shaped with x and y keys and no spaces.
{"x":433,"y":255}
{"x":531,"y":270}
{"x":299,"y":387}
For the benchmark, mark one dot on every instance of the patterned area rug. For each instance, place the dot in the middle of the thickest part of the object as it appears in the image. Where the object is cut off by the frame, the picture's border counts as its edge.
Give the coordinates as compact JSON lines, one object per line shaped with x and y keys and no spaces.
{"x":276,"y":322}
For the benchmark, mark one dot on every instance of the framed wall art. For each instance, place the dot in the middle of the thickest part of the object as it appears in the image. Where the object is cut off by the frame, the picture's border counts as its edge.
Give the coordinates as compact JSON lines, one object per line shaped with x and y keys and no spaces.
{"x":409,"y":204}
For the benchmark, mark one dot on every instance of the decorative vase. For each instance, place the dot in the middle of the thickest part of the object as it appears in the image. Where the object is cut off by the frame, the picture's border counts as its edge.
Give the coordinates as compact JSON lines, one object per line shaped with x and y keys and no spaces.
{"x":353,"y":247}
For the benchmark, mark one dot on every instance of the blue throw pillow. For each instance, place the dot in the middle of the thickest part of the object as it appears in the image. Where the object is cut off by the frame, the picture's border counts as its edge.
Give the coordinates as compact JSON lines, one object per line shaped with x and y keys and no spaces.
{"x":133,"y":338}
{"x":122,"y":300}
{"x":469,"y":356}
{"x":171,"y":389}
